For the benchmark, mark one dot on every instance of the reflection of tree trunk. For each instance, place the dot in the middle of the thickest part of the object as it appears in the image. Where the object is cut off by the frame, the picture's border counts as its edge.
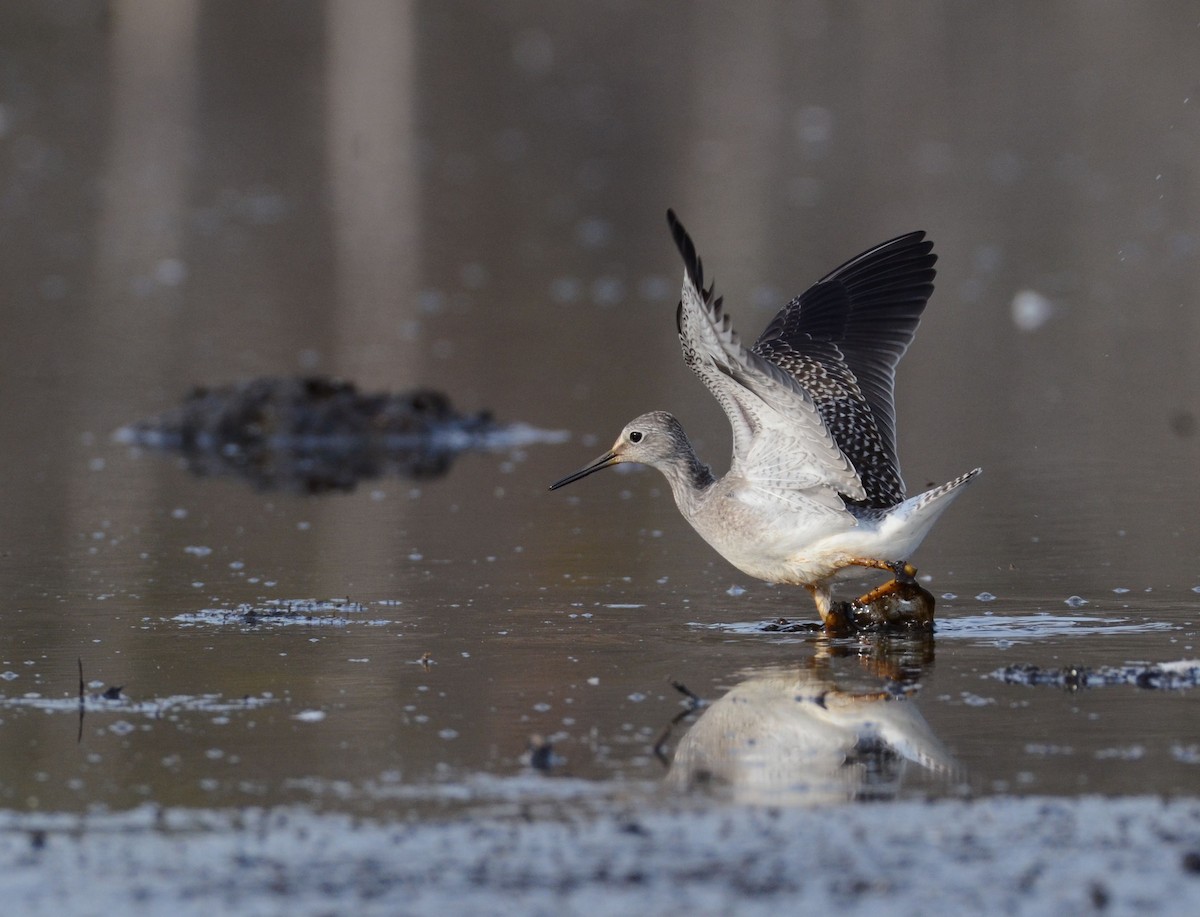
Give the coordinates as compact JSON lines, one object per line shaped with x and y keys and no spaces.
{"x":147,"y":167}
{"x":370,"y":145}
{"x":139,"y":264}
{"x":730,"y":177}
{"x":371,"y":150}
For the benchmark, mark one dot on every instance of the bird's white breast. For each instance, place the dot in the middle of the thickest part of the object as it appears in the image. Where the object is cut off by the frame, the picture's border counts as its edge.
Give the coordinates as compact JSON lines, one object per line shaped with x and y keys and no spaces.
{"x":780,"y":540}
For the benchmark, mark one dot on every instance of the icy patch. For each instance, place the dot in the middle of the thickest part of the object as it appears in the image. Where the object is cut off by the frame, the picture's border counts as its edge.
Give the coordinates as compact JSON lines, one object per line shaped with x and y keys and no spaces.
{"x":996,"y":630}
{"x":487,"y":793}
{"x":1181,"y":674}
{"x":756,"y":628}
{"x":1007,"y":630}
{"x":281,"y":613}
{"x":1186,"y":754}
{"x":508,"y":436}
{"x":975,"y":700}
{"x":155,"y":708}
{"x":1016,"y":855}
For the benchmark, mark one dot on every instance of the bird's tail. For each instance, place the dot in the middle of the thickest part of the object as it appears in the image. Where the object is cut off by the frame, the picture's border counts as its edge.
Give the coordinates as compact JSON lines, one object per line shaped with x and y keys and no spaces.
{"x":916,"y":515}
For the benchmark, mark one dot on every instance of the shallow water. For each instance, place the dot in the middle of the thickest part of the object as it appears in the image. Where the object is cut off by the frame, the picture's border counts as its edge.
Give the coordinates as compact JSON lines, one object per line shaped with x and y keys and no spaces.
{"x":414,"y":196}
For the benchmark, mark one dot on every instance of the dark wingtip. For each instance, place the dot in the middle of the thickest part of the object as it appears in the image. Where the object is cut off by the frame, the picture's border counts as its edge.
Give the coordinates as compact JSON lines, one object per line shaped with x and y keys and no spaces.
{"x":912,"y":249}
{"x":918,"y":244}
{"x":687,"y":249}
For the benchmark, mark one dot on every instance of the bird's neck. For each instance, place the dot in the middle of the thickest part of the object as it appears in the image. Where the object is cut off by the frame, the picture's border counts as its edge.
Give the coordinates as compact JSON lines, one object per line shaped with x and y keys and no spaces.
{"x":689,"y":477}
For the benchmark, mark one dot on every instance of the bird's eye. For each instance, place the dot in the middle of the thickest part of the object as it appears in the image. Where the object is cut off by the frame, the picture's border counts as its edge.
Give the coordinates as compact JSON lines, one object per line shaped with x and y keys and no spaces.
{"x":635,"y":436}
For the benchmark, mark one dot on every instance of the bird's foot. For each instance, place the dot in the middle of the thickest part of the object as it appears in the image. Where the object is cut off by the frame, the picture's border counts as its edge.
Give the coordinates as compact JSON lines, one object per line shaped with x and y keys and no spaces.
{"x":902,"y":571}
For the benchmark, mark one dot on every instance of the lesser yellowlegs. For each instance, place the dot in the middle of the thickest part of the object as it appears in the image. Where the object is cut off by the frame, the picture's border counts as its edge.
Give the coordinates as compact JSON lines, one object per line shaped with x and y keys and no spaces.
{"x":814,"y":488}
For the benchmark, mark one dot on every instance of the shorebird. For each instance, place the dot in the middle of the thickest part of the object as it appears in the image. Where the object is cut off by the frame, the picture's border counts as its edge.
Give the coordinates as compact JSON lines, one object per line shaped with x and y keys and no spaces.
{"x":814,"y":492}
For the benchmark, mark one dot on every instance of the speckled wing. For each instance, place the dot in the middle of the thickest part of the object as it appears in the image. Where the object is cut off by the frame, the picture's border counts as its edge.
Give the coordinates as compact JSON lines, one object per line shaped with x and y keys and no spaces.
{"x":780,"y":441}
{"x":841,"y":340}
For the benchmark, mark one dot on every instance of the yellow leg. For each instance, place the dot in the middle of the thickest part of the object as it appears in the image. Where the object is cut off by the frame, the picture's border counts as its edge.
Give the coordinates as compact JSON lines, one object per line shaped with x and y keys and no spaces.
{"x":901,"y":569}
{"x":823,"y":599}
{"x":889,"y":588}
{"x":903,"y":573}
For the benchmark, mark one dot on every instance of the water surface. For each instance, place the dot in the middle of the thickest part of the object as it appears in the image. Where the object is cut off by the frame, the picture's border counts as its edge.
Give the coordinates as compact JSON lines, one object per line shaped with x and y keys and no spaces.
{"x":472,"y":198}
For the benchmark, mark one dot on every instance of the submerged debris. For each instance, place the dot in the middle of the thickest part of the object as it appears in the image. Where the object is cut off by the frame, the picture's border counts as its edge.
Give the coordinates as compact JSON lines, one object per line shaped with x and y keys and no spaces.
{"x":1154,"y":676}
{"x":111,"y":692}
{"x":906,"y":608}
{"x":315,"y":434}
{"x":788,"y":626}
{"x":539,"y":753}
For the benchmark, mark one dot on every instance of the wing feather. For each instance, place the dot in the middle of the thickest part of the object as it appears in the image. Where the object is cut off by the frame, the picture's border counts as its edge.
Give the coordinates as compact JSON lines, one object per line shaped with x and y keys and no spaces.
{"x":781,"y":442}
{"x":841,"y":340}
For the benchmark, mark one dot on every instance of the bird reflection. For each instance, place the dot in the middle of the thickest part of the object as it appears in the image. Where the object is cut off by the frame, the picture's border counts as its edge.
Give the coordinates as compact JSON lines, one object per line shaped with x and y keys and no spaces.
{"x":805,"y":734}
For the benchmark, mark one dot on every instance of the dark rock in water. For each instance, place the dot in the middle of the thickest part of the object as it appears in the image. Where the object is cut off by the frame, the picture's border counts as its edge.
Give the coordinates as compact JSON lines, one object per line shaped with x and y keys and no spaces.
{"x":905,"y":607}
{"x":908,"y":607}
{"x":317,"y":434}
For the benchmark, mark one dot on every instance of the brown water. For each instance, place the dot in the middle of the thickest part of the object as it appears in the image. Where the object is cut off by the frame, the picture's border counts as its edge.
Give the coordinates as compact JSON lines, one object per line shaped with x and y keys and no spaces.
{"x":471,"y":198}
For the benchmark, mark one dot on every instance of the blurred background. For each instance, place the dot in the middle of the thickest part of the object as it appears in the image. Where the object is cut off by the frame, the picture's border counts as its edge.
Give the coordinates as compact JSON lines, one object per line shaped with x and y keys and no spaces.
{"x":471,"y":196}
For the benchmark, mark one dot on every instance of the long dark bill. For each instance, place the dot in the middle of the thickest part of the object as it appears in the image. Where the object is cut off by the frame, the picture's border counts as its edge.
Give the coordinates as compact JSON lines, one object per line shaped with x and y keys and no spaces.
{"x":604,"y":461}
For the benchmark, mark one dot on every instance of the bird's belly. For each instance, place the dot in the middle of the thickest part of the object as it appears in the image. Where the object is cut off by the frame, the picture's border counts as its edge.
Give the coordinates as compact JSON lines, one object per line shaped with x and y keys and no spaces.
{"x":776,"y":548}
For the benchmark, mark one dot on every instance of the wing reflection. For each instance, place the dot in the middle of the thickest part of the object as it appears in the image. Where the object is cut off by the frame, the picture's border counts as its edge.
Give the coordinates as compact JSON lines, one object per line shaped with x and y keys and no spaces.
{"x":797,"y":736}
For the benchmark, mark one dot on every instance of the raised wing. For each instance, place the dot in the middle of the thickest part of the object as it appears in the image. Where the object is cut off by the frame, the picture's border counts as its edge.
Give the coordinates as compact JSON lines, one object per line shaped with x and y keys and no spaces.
{"x":841,"y":340}
{"x":780,"y":441}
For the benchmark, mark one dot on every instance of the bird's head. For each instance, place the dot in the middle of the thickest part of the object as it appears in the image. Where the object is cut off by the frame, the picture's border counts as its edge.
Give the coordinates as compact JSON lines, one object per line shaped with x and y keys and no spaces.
{"x":652,"y":439}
